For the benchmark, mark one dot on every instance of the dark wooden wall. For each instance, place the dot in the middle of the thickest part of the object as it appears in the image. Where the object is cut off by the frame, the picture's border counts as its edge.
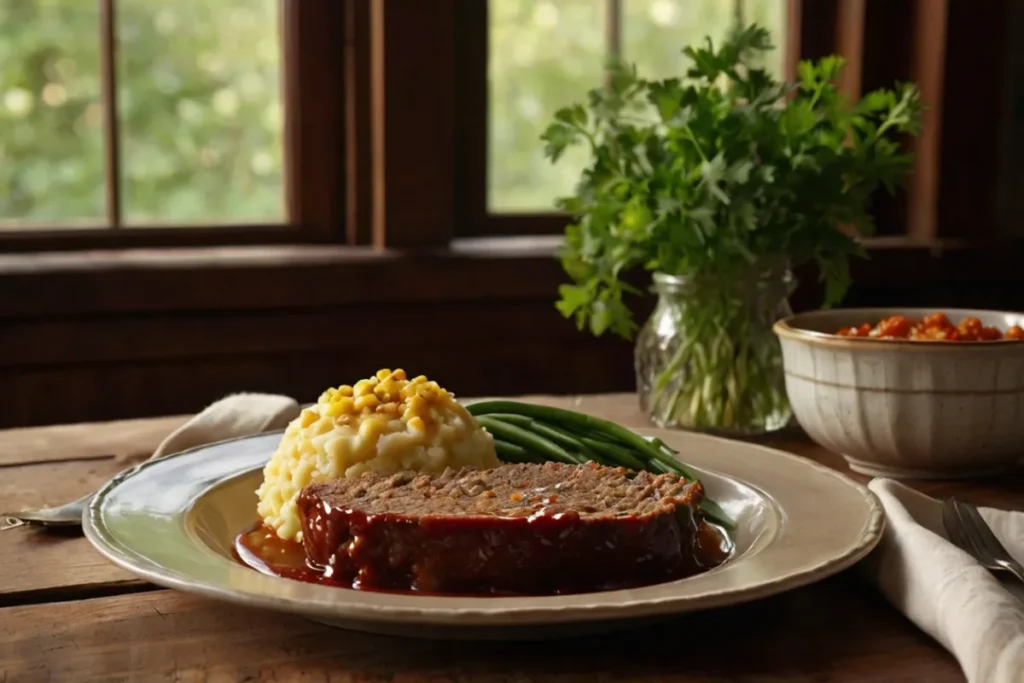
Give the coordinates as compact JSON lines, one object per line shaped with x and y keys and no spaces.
{"x":167,"y":336}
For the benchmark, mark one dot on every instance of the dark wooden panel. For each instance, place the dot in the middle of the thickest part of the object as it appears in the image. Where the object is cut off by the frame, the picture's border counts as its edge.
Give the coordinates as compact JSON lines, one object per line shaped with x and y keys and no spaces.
{"x":314,"y":112}
{"x":472,"y":119}
{"x":974,"y":117}
{"x":260,"y":280}
{"x":391,"y":329}
{"x":412,"y":57}
{"x":98,"y":237}
{"x":121,"y":389}
{"x":33,"y":286}
{"x":358,"y":168}
{"x":816,"y":36}
{"x":850,"y":25}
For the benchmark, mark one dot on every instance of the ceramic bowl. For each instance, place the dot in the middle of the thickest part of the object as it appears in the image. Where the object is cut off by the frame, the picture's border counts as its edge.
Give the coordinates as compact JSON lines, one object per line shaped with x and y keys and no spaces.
{"x":906,"y":409}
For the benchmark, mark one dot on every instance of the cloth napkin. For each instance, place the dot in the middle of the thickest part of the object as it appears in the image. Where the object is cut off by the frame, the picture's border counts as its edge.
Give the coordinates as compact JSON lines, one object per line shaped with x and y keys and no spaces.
{"x":974,"y":615}
{"x":230,"y":417}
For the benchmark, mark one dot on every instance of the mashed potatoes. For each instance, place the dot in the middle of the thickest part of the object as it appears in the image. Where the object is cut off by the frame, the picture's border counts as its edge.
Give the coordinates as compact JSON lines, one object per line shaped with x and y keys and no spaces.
{"x":386,"y":423}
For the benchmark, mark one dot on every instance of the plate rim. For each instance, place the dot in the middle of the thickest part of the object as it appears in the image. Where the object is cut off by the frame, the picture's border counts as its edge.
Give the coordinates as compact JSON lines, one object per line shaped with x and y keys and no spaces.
{"x":100,"y":537}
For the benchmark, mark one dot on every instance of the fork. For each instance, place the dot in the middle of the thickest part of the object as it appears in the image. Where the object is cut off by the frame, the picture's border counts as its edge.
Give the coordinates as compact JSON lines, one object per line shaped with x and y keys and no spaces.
{"x":67,"y":515}
{"x":967,"y":530}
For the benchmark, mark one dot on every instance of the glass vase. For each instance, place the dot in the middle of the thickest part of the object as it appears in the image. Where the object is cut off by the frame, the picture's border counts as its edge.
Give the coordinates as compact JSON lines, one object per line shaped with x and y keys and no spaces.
{"x":707,"y":359}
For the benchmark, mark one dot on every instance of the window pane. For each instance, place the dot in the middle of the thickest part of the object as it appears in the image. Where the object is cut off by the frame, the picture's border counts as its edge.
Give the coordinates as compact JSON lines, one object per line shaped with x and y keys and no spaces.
{"x":199,"y":97}
{"x":51,"y":120}
{"x":655,"y":31}
{"x":543,"y":55}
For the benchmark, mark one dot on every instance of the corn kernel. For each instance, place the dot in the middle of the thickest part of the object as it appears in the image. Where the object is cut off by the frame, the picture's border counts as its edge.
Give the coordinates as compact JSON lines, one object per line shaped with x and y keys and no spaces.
{"x":308,"y":417}
{"x":420,"y":379}
{"x":344,"y":390}
{"x":327,"y":396}
{"x":416,"y":405}
{"x":417,"y":424}
{"x":371,"y":429}
{"x":363,"y":387}
{"x":340,"y":406}
{"x":383,"y":374}
{"x":385,"y":390}
{"x":390,"y":408}
{"x":366,"y":401}
{"x":398,"y":374}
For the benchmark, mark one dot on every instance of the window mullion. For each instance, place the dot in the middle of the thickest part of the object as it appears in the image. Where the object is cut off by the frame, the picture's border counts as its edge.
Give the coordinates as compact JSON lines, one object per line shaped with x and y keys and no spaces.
{"x":613,"y":28}
{"x":111,"y":131}
{"x":413,"y":93}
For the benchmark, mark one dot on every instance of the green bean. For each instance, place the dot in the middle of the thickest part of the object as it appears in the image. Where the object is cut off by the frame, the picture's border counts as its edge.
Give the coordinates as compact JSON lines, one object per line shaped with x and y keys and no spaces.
{"x":568,"y":417}
{"x":714,"y":512}
{"x":619,"y":455}
{"x":510,"y":452}
{"x":518,"y":420}
{"x":564,"y":439}
{"x":525,"y":438}
{"x":650,"y":455}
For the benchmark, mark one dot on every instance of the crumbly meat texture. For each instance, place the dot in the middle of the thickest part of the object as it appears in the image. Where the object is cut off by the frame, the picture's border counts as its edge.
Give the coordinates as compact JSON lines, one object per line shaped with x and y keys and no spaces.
{"x":515,"y":529}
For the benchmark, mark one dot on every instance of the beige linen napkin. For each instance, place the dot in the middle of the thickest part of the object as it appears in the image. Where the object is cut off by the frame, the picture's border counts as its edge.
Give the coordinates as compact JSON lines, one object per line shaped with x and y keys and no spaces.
{"x":974,"y":615}
{"x":230,"y":417}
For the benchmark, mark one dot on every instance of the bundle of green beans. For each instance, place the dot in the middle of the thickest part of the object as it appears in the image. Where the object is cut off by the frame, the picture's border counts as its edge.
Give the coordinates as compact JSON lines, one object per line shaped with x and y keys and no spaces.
{"x":525,"y":432}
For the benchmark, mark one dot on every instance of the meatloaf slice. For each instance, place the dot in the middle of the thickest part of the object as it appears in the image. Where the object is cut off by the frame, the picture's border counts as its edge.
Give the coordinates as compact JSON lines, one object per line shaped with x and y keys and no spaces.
{"x":516,"y":529}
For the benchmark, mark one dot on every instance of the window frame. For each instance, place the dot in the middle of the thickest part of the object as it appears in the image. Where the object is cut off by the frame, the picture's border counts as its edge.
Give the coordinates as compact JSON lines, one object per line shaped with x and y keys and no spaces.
{"x":950,"y":49}
{"x":475,"y":220}
{"x":314,"y":101}
{"x":406,"y":166}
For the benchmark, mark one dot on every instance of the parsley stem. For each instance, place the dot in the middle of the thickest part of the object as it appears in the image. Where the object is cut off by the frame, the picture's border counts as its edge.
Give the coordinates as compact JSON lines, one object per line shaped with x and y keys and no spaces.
{"x":723,"y":370}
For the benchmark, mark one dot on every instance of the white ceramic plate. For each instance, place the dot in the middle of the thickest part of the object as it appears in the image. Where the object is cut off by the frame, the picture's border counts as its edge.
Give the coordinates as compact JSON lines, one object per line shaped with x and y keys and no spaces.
{"x":173,"y":521}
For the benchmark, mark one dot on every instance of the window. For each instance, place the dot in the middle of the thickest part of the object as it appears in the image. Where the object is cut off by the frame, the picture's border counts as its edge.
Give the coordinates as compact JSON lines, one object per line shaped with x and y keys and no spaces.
{"x":310,"y":122}
{"x":544,"y":54}
{"x":120,"y":116}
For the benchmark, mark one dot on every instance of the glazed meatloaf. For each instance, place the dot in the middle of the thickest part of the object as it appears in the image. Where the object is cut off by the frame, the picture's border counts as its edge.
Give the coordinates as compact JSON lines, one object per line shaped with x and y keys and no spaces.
{"x":519,"y":529}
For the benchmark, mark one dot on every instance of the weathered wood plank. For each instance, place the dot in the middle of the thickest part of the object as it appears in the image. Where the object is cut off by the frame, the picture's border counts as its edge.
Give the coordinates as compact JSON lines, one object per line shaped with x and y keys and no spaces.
{"x":122,"y":439}
{"x":170,"y":636}
{"x":42,"y":566}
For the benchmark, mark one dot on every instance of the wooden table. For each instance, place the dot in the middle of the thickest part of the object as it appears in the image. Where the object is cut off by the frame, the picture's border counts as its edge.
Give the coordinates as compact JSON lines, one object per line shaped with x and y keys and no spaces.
{"x":66,"y":614}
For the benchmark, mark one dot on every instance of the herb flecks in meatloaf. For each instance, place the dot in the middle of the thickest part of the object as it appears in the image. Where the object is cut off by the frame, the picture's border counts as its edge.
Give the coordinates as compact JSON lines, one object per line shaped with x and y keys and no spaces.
{"x":515,"y":529}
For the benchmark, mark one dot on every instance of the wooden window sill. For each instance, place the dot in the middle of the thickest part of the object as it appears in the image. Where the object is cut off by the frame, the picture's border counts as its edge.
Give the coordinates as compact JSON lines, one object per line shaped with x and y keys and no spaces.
{"x":304,"y":276}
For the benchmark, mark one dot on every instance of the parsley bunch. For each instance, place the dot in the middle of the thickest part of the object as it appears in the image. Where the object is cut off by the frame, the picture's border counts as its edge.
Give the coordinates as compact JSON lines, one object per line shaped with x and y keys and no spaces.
{"x":726,"y":168}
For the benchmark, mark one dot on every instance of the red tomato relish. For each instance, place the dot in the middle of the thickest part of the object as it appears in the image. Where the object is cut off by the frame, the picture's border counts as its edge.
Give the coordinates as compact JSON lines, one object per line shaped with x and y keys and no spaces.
{"x":934,"y":327}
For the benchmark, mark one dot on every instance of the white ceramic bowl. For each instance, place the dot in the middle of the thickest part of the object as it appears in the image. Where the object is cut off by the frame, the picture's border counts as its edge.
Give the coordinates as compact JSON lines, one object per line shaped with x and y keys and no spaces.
{"x":907,"y":409}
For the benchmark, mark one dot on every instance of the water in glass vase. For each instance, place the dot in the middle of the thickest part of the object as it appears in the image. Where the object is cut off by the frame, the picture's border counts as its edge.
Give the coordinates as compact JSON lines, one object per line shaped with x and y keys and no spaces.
{"x":707,"y":358}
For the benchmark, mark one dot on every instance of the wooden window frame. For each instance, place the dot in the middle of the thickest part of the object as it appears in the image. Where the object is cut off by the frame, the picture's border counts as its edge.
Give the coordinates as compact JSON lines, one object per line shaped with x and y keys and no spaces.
{"x":313,"y":99}
{"x":475,"y":219}
{"x":950,"y":48}
{"x":388,"y":151}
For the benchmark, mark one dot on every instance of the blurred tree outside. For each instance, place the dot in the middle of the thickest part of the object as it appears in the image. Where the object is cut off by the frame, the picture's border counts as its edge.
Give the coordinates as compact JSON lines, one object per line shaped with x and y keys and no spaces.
{"x":545,"y":54}
{"x":199,"y":107}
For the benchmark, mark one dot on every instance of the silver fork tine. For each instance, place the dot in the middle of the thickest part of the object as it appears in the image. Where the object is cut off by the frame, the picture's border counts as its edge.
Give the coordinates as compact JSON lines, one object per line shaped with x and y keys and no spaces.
{"x":979,"y":529}
{"x":955,"y":528}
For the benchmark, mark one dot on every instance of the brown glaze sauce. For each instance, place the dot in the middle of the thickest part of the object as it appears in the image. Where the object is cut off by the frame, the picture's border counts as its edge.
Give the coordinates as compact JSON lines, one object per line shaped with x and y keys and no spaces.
{"x":261,"y":549}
